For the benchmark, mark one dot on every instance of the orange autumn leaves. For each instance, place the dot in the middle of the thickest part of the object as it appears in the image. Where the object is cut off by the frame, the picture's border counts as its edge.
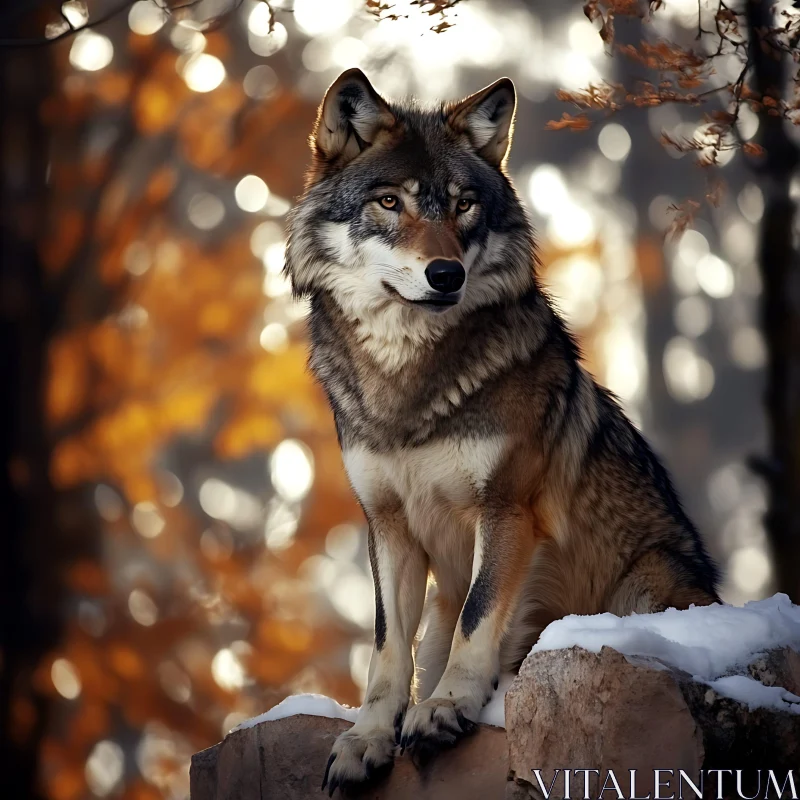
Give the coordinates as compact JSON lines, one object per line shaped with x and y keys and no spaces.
{"x":157,"y":351}
{"x":187,"y":341}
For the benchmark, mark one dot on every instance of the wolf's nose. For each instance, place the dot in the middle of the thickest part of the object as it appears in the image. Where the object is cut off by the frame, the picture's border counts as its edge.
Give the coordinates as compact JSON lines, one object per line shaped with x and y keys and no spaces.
{"x":445,"y":274}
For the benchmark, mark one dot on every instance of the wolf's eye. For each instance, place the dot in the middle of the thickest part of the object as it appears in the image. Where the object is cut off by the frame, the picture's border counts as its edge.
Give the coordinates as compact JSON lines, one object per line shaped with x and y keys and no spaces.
{"x":464,"y":205}
{"x":389,"y":201}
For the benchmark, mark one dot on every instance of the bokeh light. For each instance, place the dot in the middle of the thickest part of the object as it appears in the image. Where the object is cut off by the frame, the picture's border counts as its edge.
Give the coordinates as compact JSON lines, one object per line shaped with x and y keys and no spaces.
{"x":146,"y":18}
{"x":292,"y":469}
{"x":251,"y":193}
{"x":205,"y":211}
{"x":91,"y":51}
{"x":203,"y":72}
{"x":614,"y":142}
{"x":690,"y":377}
{"x":315,"y":17}
{"x":65,"y":678}
{"x":105,"y":767}
{"x":76,"y":13}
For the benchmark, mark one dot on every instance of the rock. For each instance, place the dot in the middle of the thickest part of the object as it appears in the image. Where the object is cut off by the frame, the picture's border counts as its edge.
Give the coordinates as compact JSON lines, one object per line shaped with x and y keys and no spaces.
{"x":572,"y":709}
{"x":778,"y":668}
{"x":568,"y":709}
{"x":285,"y":760}
{"x":747,"y":739}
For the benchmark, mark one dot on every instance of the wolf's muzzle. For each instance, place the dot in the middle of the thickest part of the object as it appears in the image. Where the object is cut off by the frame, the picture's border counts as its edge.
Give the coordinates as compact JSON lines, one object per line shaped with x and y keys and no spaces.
{"x":445,"y":275}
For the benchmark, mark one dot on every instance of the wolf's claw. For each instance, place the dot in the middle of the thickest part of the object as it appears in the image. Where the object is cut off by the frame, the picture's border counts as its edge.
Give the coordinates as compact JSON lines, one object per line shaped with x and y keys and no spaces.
{"x":358,"y":757}
{"x":331,"y":759}
{"x":433,"y":725}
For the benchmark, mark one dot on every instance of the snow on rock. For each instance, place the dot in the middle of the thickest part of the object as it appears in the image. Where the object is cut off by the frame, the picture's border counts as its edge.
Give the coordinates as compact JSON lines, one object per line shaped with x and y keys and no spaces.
{"x":708,"y":642}
{"x":317,"y":705}
{"x":494,"y":712}
{"x":754,"y":694}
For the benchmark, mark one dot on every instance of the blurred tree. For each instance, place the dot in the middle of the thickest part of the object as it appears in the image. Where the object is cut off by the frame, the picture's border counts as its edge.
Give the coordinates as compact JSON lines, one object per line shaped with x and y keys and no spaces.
{"x":141,"y":347}
{"x":29,"y":560}
{"x":768,"y":53}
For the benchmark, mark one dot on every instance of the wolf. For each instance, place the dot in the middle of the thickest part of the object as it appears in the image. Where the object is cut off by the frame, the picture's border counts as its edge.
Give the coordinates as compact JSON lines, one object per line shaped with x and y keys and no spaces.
{"x":496,"y":476}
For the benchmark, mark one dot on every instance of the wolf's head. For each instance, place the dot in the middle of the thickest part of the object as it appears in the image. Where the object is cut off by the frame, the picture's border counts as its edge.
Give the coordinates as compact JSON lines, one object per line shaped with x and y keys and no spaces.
{"x":408,"y":215}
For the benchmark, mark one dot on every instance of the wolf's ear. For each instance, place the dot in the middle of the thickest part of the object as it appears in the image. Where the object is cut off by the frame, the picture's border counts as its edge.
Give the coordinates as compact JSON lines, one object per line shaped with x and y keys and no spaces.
{"x":487,"y":119}
{"x":350,"y":117}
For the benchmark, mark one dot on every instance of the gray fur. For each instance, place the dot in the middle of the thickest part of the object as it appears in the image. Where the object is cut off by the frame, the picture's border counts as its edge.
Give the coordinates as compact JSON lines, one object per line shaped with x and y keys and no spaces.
{"x":578,"y":492}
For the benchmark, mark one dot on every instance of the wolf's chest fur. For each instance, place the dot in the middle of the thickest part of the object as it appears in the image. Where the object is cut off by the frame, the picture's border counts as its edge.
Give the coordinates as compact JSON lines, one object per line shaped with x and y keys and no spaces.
{"x":438,"y":485}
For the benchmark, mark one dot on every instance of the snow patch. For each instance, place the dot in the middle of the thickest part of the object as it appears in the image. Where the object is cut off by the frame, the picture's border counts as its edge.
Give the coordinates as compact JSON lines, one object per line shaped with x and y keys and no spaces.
{"x":708,"y":642}
{"x":754,"y":694}
{"x":315,"y":705}
{"x":494,"y":712}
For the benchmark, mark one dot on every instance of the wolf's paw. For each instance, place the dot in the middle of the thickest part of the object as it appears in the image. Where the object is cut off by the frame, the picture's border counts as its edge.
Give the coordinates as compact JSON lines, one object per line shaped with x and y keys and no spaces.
{"x":358,"y":757}
{"x":433,"y":725}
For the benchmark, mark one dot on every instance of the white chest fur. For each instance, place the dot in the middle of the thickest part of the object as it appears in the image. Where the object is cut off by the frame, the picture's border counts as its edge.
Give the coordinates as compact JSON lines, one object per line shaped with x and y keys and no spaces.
{"x":439,"y":484}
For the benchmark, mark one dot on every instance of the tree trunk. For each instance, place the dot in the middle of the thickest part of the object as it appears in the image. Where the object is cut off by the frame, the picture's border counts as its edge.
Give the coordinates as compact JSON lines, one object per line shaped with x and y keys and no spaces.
{"x":780,"y":311}
{"x":29,"y":581}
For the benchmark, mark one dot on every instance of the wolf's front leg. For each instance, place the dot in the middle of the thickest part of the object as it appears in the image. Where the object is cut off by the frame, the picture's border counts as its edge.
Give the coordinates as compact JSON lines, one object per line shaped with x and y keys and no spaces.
{"x":400,"y":570}
{"x":504,"y":544}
